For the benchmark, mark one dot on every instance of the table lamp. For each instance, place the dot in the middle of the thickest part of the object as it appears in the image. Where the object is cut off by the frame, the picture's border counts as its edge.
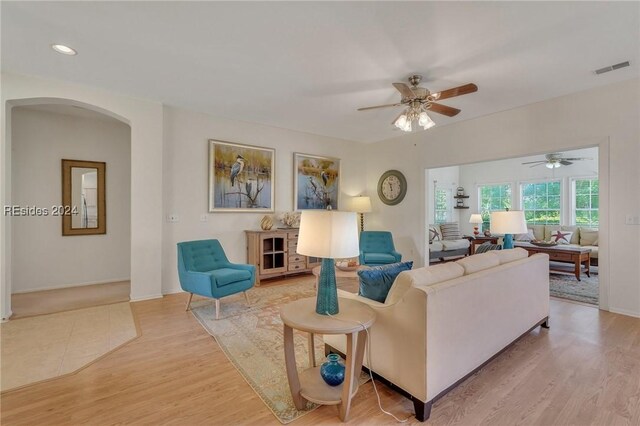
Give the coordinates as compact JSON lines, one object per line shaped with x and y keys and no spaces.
{"x":328,"y":234}
{"x":508,"y":223}
{"x":361,"y":204}
{"x":476,"y":219}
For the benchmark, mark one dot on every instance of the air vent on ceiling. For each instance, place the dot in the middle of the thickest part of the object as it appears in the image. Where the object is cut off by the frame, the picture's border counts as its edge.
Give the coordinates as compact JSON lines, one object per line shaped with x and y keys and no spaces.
{"x":612,"y":67}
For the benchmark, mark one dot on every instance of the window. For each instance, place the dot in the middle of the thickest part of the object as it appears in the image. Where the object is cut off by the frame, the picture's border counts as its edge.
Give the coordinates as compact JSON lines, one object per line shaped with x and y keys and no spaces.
{"x":541,"y":202}
{"x":493,"y":198}
{"x":443,"y":199}
{"x":586,"y":202}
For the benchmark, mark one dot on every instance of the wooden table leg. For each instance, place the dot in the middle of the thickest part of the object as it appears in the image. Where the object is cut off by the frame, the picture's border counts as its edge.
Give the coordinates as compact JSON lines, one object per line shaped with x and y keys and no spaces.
{"x":312,"y":351}
{"x":292,"y":371}
{"x":578,"y":266}
{"x":355,"y":346}
{"x":588,"y":264}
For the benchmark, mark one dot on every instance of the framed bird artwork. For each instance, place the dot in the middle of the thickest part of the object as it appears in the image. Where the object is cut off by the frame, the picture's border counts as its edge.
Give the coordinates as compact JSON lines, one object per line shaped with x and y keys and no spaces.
{"x":241,"y":177}
{"x":316,"y":182}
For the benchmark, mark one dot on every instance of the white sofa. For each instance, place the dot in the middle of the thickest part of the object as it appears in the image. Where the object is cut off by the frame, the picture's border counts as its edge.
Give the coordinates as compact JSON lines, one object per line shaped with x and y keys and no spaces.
{"x":581,"y":237}
{"x":440,"y":324}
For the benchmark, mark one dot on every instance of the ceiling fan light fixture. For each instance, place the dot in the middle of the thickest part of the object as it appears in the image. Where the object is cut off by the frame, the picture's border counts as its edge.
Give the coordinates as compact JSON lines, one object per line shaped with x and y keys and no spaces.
{"x":425,"y":121}
{"x":401,"y":122}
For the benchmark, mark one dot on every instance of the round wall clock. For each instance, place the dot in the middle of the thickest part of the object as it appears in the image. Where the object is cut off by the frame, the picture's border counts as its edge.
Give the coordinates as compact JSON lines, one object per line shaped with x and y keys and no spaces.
{"x":392,"y":187}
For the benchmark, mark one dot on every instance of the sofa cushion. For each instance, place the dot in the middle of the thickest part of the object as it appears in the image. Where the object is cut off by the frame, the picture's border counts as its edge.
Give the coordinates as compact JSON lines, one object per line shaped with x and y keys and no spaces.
{"x":525,"y":237}
{"x":376,"y":282}
{"x":436,"y":246}
{"x":506,"y":256}
{"x":226,"y":276}
{"x":538,"y":231}
{"x":450,"y":231}
{"x":550,"y":230}
{"x":478,"y":262}
{"x":378,"y":258}
{"x":456,"y":244}
{"x":588,"y":237}
{"x":421,"y":277}
{"x":594,"y":251}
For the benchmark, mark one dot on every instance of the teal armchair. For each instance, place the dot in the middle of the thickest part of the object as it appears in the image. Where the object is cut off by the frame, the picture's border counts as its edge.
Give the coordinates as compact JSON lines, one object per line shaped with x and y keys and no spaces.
{"x":204,"y":269}
{"x":376,"y":248}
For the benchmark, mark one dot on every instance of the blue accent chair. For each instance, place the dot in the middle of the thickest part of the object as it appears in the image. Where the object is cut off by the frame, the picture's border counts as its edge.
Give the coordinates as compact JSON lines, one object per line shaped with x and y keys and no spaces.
{"x":376,"y":248}
{"x":204,"y":269}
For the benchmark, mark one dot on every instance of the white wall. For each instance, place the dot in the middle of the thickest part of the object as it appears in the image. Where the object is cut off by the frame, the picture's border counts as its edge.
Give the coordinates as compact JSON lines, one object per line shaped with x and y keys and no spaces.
{"x":607,"y":116}
{"x":186,"y":135}
{"x":145,"y":119}
{"x":42,"y":258}
{"x":513,"y":171}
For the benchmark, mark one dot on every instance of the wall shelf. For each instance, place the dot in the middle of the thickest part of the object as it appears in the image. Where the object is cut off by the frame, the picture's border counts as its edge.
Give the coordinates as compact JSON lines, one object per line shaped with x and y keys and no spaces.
{"x":460,"y":207}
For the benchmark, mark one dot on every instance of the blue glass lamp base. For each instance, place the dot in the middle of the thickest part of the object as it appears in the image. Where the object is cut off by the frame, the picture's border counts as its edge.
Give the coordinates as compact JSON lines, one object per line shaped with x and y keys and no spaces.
{"x":327,"y":298}
{"x":507,"y":242}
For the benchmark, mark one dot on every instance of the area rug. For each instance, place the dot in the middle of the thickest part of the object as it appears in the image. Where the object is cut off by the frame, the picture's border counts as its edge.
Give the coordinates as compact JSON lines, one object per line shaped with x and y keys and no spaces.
{"x":252,"y":339}
{"x":568,"y":287}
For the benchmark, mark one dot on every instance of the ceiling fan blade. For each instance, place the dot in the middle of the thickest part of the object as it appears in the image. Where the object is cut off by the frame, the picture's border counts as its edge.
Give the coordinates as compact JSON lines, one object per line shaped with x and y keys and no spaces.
{"x":443,"y":109}
{"x":539,"y":164}
{"x":404,"y":90}
{"x":378,"y":106}
{"x":577,"y":159}
{"x":565,"y":162}
{"x":456,"y":91}
{"x":534,"y":162}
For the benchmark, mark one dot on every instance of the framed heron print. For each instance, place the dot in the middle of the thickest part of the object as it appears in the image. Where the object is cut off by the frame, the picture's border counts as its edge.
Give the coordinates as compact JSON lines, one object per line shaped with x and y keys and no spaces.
{"x":316,"y":182}
{"x":240,"y":177}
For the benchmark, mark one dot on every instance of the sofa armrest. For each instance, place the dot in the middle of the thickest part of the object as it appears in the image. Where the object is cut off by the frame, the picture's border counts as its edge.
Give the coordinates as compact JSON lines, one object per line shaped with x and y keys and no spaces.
{"x":397,"y":255}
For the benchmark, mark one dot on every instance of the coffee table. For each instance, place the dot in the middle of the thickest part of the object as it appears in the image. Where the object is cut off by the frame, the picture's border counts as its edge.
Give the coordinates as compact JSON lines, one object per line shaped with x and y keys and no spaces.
{"x":564,"y":254}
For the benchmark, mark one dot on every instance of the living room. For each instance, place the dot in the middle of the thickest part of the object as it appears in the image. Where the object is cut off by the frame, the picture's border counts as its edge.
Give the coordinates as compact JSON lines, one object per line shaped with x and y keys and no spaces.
{"x":223,"y":74}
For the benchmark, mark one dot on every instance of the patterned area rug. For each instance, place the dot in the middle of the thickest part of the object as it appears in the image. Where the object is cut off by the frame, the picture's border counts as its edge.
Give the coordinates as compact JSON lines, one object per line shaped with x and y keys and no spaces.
{"x":567,"y":287}
{"x":252,"y":339}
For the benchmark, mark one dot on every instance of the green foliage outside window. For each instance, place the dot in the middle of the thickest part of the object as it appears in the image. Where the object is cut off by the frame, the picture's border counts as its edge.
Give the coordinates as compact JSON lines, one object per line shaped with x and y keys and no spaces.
{"x":587,"y":201}
{"x":493,"y":198}
{"x":541,"y":203}
{"x":442,"y":200}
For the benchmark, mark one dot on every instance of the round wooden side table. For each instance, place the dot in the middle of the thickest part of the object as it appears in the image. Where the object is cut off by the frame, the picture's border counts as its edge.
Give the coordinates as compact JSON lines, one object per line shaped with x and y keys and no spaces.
{"x":309,"y":385}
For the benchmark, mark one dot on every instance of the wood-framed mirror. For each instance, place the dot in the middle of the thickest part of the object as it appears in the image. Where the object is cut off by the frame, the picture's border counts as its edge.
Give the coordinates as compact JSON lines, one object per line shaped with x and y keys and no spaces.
{"x":84,"y":207}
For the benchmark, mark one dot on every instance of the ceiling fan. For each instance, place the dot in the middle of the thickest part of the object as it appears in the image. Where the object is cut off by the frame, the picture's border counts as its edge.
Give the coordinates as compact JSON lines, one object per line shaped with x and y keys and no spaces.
{"x":555,"y":160}
{"x":419,"y":100}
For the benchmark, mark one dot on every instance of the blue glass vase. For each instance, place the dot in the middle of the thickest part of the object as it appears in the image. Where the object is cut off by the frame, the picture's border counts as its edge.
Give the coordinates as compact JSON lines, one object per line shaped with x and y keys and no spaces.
{"x":332,"y":371}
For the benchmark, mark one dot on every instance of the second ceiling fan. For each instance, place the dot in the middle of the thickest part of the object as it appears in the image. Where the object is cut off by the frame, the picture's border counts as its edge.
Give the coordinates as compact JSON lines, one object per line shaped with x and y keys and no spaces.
{"x":418,"y":100}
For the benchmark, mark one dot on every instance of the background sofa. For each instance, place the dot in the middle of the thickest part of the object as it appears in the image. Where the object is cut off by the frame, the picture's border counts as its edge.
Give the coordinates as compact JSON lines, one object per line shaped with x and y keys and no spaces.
{"x":439,"y":247}
{"x":582,"y":236}
{"x":439,"y":324}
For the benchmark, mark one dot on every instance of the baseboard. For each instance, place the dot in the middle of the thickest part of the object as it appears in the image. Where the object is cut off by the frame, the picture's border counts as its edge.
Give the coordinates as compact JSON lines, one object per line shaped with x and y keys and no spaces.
{"x":33,"y":290}
{"x":149,"y":297}
{"x":173,"y":291}
{"x":624,"y":312}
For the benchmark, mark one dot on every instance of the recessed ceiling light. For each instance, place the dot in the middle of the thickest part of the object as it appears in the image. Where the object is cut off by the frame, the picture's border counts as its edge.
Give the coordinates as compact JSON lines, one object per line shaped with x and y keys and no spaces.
{"x":65,"y":50}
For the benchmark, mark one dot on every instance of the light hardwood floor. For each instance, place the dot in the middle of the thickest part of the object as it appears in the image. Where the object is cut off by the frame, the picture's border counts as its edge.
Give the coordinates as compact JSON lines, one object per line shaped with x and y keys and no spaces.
{"x":67,"y":299}
{"x":585,"y":370}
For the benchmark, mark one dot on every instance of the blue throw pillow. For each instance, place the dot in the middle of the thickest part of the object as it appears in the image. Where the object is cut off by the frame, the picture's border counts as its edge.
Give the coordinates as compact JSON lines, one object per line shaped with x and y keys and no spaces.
{"x":376,"y":282}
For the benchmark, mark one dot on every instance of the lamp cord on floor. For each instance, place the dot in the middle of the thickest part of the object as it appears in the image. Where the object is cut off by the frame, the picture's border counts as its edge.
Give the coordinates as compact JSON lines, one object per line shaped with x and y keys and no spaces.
{"x":370,"y":366}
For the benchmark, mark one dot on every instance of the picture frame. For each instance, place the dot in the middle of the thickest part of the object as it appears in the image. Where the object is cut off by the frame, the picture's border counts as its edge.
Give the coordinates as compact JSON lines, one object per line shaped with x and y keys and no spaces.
{"x":241,"y":177}
{"x":316,"y":181}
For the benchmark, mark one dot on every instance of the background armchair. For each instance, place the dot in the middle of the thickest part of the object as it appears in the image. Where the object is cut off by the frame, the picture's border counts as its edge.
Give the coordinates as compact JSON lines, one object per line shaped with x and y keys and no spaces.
{"x":376,"y":248}
{"x":203,"y":269}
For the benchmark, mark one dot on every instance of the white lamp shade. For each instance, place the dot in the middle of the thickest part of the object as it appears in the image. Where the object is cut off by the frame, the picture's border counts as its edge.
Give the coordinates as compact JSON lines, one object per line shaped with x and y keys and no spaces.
{"x":361,"y":204}
{"x":475,"y":218}
{"x":328,"y":234}
{"x":509,"y":222}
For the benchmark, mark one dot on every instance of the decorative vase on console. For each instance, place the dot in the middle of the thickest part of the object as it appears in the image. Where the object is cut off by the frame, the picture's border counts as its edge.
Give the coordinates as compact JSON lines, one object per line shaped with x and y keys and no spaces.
{"x":332,"y":371}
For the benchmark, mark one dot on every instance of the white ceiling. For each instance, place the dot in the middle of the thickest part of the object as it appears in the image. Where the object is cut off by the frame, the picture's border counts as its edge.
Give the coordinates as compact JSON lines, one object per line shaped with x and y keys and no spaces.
{"x":308,"y":65}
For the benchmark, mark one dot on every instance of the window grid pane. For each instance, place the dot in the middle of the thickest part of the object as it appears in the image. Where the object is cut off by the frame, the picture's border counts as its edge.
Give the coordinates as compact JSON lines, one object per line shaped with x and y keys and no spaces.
{"x":541,"y":202}
{"x":586,"y":201}
{"x":493,"y":198}
{"x":442,"y":203}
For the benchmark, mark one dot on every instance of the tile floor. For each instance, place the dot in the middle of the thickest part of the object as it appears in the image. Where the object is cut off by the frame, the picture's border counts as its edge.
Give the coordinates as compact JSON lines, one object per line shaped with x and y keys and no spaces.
{"x":46,"y":346}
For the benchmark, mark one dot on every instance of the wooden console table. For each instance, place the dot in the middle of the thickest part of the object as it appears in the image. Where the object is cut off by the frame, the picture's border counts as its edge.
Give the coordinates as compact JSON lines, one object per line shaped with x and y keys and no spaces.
{"x":477,"y":240}
{"x":309,"y":385}
{"x":564,"y":254}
